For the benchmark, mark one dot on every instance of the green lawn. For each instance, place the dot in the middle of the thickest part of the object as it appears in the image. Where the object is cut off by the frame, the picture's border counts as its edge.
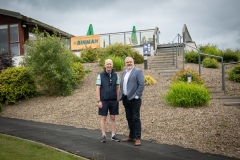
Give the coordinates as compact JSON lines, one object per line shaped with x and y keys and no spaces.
{"x":19,"y":149}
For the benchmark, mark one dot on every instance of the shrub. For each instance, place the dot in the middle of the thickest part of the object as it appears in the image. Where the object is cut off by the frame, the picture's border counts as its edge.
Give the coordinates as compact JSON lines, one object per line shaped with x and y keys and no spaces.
{"x":234,"y":74}
{"x":192,"y":57}
{"x":148,"y":80}
{"x":0,"y":107}
{"x":89,"y":55}
{"x":230,"y":56}
{"x":120,"y":50}
{"x":210,"y":63}
{"x":118,"y":62}
{"x":6,"y":60}
{"x":74,"y":57}
{"x":212,"y":50}
{"x":138,"y":58}
{"x":209,"y":49}
{"x":182,"y":76}
{"x":16,"y":83}
{"x":182,"y":94}
{"x":79,"y":72}
{"x":51,"y":63}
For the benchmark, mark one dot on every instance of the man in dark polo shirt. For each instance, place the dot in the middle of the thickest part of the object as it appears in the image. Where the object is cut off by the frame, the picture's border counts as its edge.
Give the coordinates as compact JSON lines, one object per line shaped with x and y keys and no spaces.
{"x":107,"y":92}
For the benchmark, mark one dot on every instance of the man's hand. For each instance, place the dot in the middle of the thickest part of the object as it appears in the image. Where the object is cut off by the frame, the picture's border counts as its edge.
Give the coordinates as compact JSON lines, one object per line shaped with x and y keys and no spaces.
{"x":99,"y":105}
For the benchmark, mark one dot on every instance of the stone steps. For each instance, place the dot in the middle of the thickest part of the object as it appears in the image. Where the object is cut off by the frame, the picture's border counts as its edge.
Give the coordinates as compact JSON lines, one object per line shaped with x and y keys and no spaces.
{"x":163,"y":62}
{"x":220,"y":97}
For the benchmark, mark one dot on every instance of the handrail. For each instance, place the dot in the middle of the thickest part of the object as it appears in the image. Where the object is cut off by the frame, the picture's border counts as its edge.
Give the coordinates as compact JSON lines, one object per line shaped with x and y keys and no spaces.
{"x":231,"y":63}
{"x":175,"y":37}
{"x":199,"y":62}
{"x":177,"y":49}
{"x":155,"y":38}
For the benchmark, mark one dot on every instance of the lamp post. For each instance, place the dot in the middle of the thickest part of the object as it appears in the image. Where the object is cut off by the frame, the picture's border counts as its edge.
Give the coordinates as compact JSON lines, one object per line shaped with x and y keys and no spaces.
{"x":189,"y":77}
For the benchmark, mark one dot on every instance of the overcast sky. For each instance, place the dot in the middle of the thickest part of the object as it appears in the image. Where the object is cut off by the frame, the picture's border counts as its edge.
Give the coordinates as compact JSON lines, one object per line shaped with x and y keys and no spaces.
{"x":208,"y":21}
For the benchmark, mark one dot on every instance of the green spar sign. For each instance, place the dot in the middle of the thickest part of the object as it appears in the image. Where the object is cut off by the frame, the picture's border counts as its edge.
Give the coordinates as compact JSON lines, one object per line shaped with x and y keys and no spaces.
{"x":90,"y":41}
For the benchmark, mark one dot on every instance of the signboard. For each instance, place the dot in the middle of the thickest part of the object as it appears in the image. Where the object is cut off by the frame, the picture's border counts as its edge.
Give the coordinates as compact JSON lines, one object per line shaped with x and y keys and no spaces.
{"x":146,"y":49}
{"x":82,"y":42}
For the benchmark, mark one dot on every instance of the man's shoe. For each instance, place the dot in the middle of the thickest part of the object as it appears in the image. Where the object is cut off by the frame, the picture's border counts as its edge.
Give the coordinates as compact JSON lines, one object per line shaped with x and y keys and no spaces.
{"x":137,"y":142}
{"x":115,"y":138}
{"x":103,"y":139}
{"x":128,"y":140}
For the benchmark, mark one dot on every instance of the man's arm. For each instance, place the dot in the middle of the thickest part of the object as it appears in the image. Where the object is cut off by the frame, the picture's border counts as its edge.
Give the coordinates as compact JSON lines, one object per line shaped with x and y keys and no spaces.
{"x":98,"y":86}
{"x":98,"y":92}
{"x":140,"y":79}
{"x":118,"y":88}
{"x":118,"y":92}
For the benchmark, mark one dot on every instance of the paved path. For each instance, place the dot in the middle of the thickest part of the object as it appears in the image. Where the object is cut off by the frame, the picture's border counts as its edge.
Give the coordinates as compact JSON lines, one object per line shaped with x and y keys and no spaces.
{"x":86,"y":143}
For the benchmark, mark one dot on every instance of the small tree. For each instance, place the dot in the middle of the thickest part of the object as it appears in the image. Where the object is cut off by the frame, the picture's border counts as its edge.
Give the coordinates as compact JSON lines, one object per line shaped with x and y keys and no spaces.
{"x":51,"y":63}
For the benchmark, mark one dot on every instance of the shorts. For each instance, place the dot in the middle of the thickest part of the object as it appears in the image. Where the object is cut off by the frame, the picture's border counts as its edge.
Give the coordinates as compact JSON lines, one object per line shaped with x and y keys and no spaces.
{"x":111,"y":106}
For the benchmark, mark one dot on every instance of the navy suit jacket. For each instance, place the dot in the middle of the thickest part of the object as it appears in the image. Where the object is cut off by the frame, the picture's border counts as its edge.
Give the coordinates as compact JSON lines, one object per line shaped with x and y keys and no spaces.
{"x":135,"y":84}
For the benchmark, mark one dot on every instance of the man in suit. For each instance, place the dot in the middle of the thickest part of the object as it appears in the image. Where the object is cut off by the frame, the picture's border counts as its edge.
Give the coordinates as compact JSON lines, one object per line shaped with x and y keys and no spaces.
{"x":131,"y":88}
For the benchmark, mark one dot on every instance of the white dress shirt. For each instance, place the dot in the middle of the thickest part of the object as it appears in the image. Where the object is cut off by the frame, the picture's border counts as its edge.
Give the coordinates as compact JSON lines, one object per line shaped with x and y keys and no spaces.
{"x":125,"y":82}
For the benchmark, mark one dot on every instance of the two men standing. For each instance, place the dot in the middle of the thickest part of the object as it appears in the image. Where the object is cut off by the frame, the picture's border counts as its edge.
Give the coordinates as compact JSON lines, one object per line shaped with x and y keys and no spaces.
{"x":131,"y":88}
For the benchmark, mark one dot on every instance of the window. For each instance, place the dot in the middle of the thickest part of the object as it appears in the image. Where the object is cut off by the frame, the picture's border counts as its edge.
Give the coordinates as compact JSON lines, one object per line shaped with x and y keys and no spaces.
{"x":14,"y":33}
{"x":14,"y":39}
{"x":15,"y":48}
{"x":3,"y":38}
{"x":9,"y":37}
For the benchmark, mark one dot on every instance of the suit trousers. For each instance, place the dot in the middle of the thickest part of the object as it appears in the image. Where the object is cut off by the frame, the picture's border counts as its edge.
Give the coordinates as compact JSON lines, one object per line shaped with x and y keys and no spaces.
{"x":132,"y":109}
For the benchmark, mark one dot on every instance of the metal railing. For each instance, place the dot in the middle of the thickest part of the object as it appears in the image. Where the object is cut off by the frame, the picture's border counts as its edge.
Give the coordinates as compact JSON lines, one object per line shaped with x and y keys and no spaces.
{"x":143,"y":36}
{"x":177,"y":46}
{"x":199,"y":64}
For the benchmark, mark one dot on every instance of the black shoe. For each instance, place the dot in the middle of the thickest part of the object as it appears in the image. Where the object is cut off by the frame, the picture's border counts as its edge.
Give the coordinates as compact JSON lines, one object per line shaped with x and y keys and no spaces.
{"x":103,"y":139}
{"x":115,"y":138}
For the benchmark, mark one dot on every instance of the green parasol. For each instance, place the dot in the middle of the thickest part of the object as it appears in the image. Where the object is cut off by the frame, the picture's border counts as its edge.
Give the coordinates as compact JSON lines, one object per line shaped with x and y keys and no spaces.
{"x":134,"y":36}
{"x":90,"y":30}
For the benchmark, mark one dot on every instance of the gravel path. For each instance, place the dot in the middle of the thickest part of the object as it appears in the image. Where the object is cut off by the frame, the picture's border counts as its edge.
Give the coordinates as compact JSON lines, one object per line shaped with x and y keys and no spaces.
{"x":213,"y":129}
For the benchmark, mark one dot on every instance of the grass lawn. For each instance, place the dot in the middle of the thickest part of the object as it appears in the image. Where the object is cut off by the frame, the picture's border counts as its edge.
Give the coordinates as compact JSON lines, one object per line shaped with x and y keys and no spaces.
{"x":15,"y":148}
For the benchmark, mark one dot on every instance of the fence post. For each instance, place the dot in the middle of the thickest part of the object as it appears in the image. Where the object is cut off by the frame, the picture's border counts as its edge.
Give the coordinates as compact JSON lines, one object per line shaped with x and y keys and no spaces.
{"x":199,"y":63}
{"x":173,"y":51}
{"x":223,"y":76}
{"x":177,"y":54}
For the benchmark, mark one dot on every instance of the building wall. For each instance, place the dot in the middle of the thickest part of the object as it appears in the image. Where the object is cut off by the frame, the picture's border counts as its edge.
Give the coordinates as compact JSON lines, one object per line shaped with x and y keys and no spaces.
{"x":17,"y":60}
{"x":190,"y":46}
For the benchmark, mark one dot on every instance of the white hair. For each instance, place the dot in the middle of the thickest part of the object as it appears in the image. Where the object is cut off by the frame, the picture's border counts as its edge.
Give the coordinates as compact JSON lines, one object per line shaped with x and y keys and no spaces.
{"x":108,"y":60}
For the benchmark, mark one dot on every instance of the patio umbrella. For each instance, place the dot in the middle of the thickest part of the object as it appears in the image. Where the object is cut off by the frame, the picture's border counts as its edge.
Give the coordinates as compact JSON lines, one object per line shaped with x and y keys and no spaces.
{"x":134,"y":36}
{"x":90,"y":30}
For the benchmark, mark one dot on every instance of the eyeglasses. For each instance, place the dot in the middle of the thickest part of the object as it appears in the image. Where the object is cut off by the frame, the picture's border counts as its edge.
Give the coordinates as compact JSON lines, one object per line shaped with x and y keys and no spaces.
{"x":110,"y":81}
